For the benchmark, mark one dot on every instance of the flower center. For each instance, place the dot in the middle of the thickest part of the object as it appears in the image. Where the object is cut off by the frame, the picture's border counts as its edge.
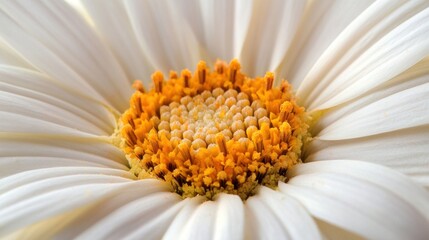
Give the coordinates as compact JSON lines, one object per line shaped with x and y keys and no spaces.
{"x":214,"y":131}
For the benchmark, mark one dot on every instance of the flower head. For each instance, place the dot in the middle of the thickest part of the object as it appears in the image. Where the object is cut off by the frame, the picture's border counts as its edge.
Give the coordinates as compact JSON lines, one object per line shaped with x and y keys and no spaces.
{"x":227,"y":153}
{"x":217,"y":131}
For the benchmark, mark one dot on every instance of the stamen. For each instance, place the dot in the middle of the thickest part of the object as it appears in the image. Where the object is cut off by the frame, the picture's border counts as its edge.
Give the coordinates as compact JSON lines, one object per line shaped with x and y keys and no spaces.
{"x":285,"y":132}
{"x":173,"y":75}
{"x":129,"y":119}
{"x":257,"y":140}
{"x":269,"y":78}
{"x":138,"y":85}
{"x":157,"y":79}
{"x":285,"y":109}
{"x":153,"y":139}
{"x":221,"y":142}
{"x":220,"y":67}
{"x":202,"y":72}
{"x":184,"y":150}
{"x":136,"y":103}
{"x":131,"y":138}
{"x":186,"y":75}
{"x":234,"y":68}
{"x":138,"y":151}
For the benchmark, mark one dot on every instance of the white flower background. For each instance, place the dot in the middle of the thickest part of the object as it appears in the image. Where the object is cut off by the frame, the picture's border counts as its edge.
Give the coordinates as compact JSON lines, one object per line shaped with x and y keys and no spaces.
{"x":65,"y":76}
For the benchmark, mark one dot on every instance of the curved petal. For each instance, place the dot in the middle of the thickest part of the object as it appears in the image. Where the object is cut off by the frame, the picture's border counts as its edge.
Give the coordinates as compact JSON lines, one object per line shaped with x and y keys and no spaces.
{"x":14,"y":165}
{"x":176,"y":227}
{"x":381,"y":43}
{"x":273,"y":27}
{"x":28,"y":152}
{"x":11,"y":58}
{"x":219,"y":219}
{"x":201,"y":223}
{"x":262,"y":221}
{"x":21,"y":124}
{"x":171,"y":45}
{"x":333,"y":232}
{"x":62,"y":45}
{"x":84,"y":207}
{"x":220,"y":26}
{"x":156,"y":227}
{"x":125,"y":45}
{"x":42,"y":207}
{"x":51,"y":104}
{"x":96,"y":214}
{"x":405,"y":109}
{"x":389,"y":143}
{"x":151,"y":214}
{"x":27,"y":177}
{"x":33,"y":94}
{"x":321,"y":24}
{"x":31,"y":133}
{"x":230,"y":217}
{"x":391,"y":149}
{"x":354,"y":204}
{"x":373,"y":173}
{"x":34,"y":189}
{"x":295,"y":218}
{"x":415,"y":76}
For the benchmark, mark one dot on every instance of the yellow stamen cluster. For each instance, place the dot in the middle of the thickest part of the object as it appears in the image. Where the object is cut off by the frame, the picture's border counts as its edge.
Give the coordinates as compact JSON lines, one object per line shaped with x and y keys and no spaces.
{"x":213,"y":131}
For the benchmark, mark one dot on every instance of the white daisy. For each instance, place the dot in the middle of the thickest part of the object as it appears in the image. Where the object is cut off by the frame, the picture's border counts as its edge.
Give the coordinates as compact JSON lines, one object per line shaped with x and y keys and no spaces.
{"x":360,"y":69}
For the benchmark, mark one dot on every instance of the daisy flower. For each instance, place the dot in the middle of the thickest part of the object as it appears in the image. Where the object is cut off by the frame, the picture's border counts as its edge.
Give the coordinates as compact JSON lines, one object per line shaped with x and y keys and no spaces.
{"x":200,"y":148}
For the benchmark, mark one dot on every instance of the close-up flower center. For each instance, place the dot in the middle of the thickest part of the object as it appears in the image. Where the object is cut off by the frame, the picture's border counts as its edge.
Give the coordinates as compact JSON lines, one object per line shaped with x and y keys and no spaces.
{"x":213,"y":131}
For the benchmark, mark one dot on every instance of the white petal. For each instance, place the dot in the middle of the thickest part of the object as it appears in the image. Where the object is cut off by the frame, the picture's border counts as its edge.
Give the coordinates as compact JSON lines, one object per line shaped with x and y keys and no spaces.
{"x":97,"y":213}
{"x":150,"y":214}
{"x":333,"y":232}
{"x":43,"y":109}
{"x":242,"y":15}
{"x":33,"y":190}
{"x":221,"y":26}
{"x":201,"y":223}
{"x":273,"y":26}
{"x":33,"y":104}
{"x":381,"y":43}
{"x":230,"y":217}
{"x":176,"y":227}
{"x":67,"y":49}
{"x":13,"y":165}
{"x":33,"y":137}
{"x":53,"y":203}
{"x":156,"y":227}
{"x":14,"y":123}
{"x":390,"y":149}
{"x":27,"y":177}
{"x":295,"y":218}
{"x":43,"y":98}
{"x":262,"y":222}
{"x":405,"y":151}
{"x":219,"y":219}
{"x":357,"y":205}
{"x":165,"y":38}
{"x":373,"y":173}
{"x":413,"y":77}
{"x":9,"y":57}
{"x":118,"y":33}
{"x":217,"y":20}
{"x":323,"y":21}
{"x":28,"y":152}
{"x":47,"y":227}
{"x":405,"y":109}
